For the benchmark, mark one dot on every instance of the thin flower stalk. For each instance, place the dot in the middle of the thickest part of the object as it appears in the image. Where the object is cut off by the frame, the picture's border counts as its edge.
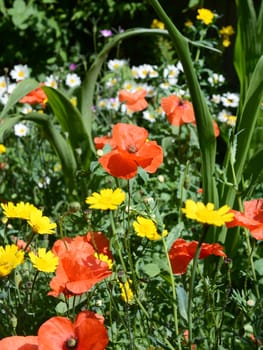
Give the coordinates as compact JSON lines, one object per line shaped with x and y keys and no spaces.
{"x":191,"y":286}
{"x":175,"y":313}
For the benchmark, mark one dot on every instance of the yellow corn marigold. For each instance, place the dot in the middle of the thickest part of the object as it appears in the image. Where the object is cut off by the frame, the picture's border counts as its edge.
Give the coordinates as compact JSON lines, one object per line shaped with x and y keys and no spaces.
{"x":106,"y":199}
{"x":206,"y":214}
{"x":10,"y":258}
{"x":147,"y":228}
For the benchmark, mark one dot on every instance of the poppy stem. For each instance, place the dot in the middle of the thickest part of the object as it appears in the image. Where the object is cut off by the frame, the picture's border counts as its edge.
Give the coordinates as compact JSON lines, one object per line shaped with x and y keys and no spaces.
{"x":174,"y":293}
{"x":33,"y":285}
{"x":116,"y":240}
{"x":250,"y":258}
{"x":191,"y":285}
{"x":127,"y":240}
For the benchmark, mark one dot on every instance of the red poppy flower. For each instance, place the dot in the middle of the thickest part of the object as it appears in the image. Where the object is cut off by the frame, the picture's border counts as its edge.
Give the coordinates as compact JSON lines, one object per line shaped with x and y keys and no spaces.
{"x":182,"y":252}
{"x":135,"y":101}
{"x":19,"y":343}
{"x":252,"y":218}
{"x":86,"y":333}
{"x":131,"y":150}
{"x":178,"y":111}
{"x":100,"y":243}
{"x":78,"y":269}
{"x":181,"y":112}
{"x":36,"y":96}
{"x":100,"y":142}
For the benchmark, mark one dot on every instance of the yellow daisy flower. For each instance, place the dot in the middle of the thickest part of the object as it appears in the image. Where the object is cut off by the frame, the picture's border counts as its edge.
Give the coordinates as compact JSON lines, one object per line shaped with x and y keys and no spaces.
{"x":228,"y":30}
{"x":44,"y":261}
{"x":41,"y":224}
{"x":206,"y":214}
{"x":10,"y":258}
{"x":205,"y":15}
{"x":126,"y":291}
{"x":106,"y":199}
{"x":2,"y":148}
{"x":157,"y":24}
{"x":20,"y":210}
{"x":147,"y":228}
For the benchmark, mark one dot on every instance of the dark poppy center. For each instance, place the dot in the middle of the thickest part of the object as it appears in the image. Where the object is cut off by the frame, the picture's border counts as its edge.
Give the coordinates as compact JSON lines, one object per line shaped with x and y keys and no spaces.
{"x":132,"y":149}
{"x":181,"y":102}
{"x":71,"y":343}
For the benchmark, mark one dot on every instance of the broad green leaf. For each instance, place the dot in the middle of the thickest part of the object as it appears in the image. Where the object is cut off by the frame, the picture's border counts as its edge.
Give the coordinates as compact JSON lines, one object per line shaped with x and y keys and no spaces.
{"x":22,"y":89}
{"x":248,"y":44}
{"x":151,"y":270}
{"x":71,"y":122}
{"x":259,"y":266}
{"x":182,"y":301}
{"x":251,"y":111}
{"x":204,"y":122}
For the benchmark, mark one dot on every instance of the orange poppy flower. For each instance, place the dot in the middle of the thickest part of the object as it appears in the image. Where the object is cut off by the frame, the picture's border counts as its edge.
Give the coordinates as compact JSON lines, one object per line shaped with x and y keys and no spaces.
{"x":251,"y":218}
{"x":131,"y":150}
{"x":181,"y":112}
{"x":100,"y":243}
{"x":182,"y":252}
{"x":19,"y":343}
{"x":101,"y":142}
{"x":178,"y":111}
{"x":36,"y":96}
{"x":87,"y":332}
{"x":78,"y":269}
{"x":135,"y":101}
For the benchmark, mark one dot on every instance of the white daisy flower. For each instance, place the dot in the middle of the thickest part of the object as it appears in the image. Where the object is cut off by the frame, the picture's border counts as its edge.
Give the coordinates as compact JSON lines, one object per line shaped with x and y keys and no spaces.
{"x":150,"y":117}
{"x":20,"y":72}
{"x":216,"y":79}
{"x":114,"y":104}
{"x":26,"y":108}
{"x":3,"y":85}
{"x":52,"y":81}
{"x":165,"y":85}
{"x":116,"y":64}
{"x":111,"y":82}
{"x":73,"y":80}
{"x":129,"y":86}
{"x":21,"y":130}
{"x":230,"y":99}
{"x":216,"y":98}
{"x":171,"y":72}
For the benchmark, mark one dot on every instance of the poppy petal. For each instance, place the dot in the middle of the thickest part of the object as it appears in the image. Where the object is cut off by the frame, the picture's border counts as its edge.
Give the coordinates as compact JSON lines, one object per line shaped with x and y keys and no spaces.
{"x":129,"y":136}
{"x":54,"y":333}
{"x":119,"y":165}
{"x":19,"y":343}
{"x":150,"y":156}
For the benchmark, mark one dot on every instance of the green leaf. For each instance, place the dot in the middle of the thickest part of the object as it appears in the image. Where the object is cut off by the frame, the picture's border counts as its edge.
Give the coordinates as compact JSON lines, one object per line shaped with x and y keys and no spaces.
{"x":258,"y":264}
{"x":22,"y":89}
{"x":151,"y":269}
{"x":248,"y":43}
{"x":71,"y":123}
{"x":182,"y":302}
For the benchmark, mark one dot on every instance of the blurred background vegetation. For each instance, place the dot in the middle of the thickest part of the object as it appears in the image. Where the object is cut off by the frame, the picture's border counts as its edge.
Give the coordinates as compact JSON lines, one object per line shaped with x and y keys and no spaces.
{"x":50,"y":34}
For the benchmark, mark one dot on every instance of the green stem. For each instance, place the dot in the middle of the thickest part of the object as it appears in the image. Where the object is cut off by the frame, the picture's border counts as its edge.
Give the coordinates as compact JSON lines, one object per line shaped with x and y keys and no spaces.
{"x":250,"y":258}
{"x":116,"y":240}
{"x":173,"y":292}
{"x":33,"y":285}
{"x":191,"y":285}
